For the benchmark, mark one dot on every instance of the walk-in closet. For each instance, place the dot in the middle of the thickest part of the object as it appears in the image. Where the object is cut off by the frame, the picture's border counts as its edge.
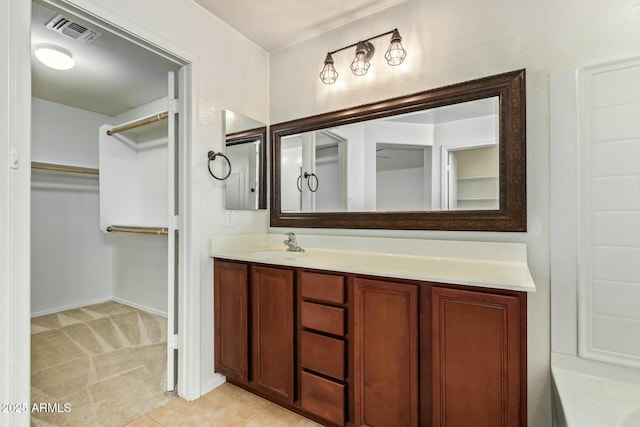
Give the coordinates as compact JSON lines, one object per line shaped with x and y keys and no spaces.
{"x":103,"y":223}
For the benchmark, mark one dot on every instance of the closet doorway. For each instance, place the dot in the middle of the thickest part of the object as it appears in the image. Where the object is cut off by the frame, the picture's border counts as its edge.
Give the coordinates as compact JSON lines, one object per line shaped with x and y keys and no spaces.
{"x":106,"y":146}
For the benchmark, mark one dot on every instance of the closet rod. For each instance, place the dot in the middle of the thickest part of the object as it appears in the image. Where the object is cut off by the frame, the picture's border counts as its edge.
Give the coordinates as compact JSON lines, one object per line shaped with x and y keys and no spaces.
{"x":64,"y":168}
{"x":139,"y":230}
{"x":138,"y":123}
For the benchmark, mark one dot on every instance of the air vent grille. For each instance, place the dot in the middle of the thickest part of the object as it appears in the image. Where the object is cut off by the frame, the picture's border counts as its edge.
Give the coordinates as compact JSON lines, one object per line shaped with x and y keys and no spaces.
{"x":61,"y":24}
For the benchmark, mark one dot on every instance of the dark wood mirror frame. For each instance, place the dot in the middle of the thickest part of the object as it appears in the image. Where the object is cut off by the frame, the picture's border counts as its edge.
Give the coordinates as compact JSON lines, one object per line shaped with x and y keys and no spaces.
{"x":512,"y":214}
{"x":249,"y":136}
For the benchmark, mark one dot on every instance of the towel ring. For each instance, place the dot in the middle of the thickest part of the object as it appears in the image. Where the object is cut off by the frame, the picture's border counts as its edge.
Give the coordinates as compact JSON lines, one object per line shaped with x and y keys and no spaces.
{"x":211,"y":155}
{"x":306,"y":176}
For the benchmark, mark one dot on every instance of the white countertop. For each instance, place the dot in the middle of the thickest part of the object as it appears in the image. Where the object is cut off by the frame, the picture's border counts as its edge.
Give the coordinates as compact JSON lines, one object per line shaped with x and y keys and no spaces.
{"x":483,"y":271}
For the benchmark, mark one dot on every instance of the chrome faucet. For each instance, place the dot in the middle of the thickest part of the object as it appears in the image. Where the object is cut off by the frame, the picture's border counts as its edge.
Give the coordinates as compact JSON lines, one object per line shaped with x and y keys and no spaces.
{"x":292,"y":243}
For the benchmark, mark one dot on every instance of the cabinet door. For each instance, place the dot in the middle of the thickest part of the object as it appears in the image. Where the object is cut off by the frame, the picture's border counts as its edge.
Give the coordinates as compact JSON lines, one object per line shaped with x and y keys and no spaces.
{"x":272,"y":332}
{"x":476,"y":359}
{"x":230,"y":304}
{"x":385,"y":353}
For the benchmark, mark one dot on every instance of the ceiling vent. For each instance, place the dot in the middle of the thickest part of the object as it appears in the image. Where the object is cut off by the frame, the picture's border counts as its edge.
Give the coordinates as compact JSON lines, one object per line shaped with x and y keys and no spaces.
{"x":63,"y":25}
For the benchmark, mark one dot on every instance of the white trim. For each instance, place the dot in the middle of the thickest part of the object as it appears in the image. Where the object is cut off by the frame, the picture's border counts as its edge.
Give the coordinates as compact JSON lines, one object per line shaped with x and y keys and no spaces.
{"x":189,"y":362}
{"x":216,"y":382}
{"x":139,"y":306}
{"x":72,"y":306}
{"x":564,"y":211}
{"x":15,"y":197}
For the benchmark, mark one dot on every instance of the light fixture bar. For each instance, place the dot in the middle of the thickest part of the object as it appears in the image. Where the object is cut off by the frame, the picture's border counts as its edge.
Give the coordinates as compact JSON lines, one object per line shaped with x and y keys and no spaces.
{"x":366,"y":40}
{"x":395,"y":55}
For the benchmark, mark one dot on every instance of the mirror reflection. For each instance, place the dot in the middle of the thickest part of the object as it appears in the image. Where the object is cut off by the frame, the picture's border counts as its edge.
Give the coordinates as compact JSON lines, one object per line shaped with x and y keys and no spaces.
{"x":245,"y":147}
{"x":445,"y":158}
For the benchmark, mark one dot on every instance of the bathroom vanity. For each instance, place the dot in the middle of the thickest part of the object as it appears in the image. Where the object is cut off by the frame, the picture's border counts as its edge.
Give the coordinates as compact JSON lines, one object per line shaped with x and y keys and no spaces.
{"x":320,"y":334}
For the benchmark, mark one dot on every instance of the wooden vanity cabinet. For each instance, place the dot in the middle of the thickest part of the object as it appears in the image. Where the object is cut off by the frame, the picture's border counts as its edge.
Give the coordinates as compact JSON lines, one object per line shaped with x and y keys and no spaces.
{"x":322,"y":354}
{"x":479,"y":358}
{"x":264,"y":296}
{"x":272,"y":330}
{"x":385,"y":343}
{"x":231,"y":286}
{"x":355,"y":350}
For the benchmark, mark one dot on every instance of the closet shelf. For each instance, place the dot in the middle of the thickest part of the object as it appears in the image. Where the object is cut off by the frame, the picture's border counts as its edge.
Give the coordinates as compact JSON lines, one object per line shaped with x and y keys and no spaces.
{"x":477,"y":178}
{"x":64,"y":168}
{"x":137,"y":123}
{"x":159,"y":231}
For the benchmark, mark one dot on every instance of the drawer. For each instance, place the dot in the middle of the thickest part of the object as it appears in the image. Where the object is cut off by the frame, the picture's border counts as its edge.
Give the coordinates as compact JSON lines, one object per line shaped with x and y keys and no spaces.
{"x":322,"y":318}
{"x":322,"y":354}
{"x":322,"y":397}
{"x":323,"y":287}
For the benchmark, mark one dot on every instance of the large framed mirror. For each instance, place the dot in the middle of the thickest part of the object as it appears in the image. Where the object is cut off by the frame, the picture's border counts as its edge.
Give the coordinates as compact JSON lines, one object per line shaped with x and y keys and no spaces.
{"x":451,"y":158}
{"x":245,"y":186}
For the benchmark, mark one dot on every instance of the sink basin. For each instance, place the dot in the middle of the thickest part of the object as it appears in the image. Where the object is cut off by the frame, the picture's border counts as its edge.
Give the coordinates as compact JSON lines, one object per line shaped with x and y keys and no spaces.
{"x":277,"y":254}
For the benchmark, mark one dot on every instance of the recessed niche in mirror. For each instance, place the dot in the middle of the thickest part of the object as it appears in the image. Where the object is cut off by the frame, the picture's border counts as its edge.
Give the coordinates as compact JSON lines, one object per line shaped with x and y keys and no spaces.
{"x":451,"y":158}
{"x":245,"y":147}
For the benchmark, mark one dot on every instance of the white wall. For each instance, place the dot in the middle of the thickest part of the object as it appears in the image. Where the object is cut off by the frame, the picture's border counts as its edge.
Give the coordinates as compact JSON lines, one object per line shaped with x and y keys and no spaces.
{"x":454,"y":41}
{"x":396,"y":189}
{"x":70,"y":258}
{"x":140,"y":271}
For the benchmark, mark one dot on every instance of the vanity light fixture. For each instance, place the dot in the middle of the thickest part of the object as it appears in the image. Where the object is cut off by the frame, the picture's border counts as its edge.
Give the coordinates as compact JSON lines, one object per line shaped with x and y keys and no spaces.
{"x":54,"y":56}
{"x":364,"y":52}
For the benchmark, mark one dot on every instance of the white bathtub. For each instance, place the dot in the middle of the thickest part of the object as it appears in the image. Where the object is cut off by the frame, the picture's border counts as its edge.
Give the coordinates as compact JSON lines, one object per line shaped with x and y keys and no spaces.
{"x":584,"y":400}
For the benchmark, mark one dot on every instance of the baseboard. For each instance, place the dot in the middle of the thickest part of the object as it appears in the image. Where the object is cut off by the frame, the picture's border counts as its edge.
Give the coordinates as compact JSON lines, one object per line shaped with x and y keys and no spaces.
{"x":216,"y":382}
{"x":70,"y":306}
{"x":99,"y":301}
{"x":140,"y":307}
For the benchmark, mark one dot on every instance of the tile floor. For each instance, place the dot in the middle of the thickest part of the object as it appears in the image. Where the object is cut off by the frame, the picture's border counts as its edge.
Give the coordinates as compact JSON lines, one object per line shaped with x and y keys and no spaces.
{"x":226,"y":406}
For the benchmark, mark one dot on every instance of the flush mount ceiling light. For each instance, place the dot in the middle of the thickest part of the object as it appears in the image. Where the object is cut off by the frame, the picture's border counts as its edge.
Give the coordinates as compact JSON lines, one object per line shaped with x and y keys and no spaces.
{"x":364,"y":52}
{"x":54,"y":56}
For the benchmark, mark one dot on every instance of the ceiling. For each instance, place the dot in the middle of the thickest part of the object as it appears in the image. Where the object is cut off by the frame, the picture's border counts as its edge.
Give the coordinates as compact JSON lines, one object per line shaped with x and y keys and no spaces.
{"x":274,"y":24}
{"x":113,"y":74}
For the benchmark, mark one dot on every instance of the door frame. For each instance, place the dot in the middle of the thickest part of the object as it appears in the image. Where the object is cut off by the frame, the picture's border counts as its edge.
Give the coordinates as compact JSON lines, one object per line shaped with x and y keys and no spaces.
{"x":15,"y":211}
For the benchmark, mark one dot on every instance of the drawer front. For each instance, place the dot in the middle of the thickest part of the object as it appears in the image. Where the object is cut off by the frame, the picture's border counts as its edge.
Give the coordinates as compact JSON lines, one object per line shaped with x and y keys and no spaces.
{"x":322,"y":318}
{"x":323,"y":287}
{"x":322,"y":397}
{"x":322,"y":354}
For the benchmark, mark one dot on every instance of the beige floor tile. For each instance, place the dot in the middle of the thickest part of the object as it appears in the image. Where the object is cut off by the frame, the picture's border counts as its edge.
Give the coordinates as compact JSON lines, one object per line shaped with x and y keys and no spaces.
{"x":217,"y":408}
{"x":275,"y":416}
{"x":165,"y":408}
{"x":145,"y":421}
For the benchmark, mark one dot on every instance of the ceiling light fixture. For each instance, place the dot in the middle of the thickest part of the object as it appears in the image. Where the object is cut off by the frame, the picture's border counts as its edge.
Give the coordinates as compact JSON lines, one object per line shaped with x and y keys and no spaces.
{"x":364,"y":52}
{"x":54,"y":56}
